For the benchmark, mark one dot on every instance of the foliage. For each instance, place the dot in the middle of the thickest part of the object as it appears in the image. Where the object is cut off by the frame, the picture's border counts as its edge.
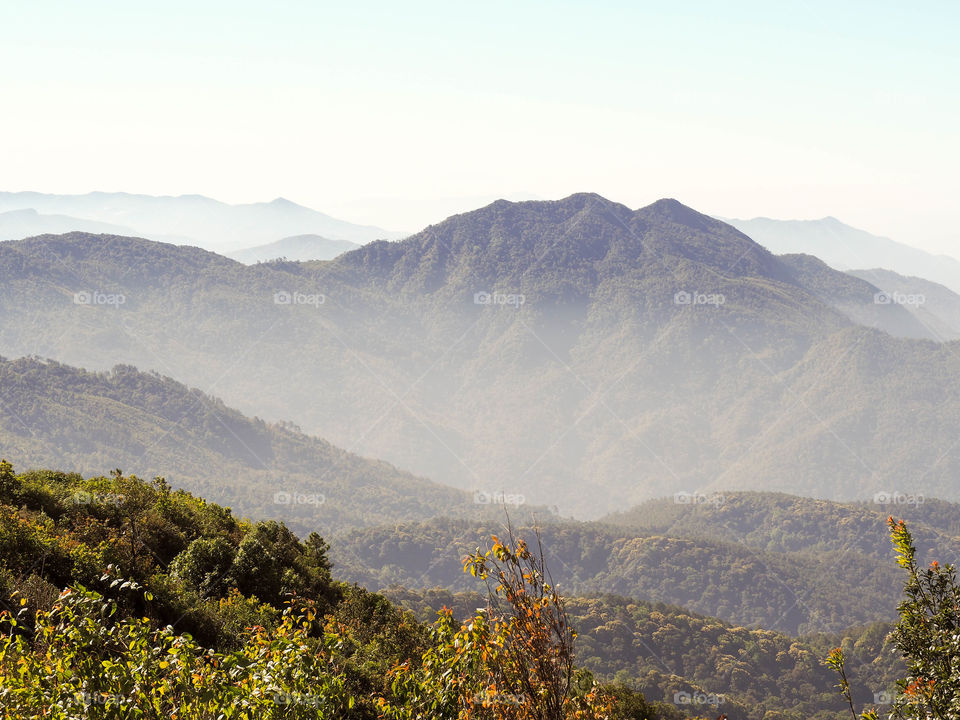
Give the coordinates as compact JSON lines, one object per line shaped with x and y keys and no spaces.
{"x":926,"y":636}
{"x":174,"y":608}
{"x":781,"y":523}
{"x":83,"y":661}
{"x":660,"y":651}
{"x":511,"y":661}
{"x":928,"y":633}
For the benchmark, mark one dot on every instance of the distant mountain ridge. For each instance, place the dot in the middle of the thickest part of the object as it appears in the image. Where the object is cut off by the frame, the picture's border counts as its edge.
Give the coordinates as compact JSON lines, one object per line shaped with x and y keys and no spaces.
{"x":845,"y":248}
{"x":935,"y":306}
{"x":299,"y":248}
{"x":577,"y":352}
{"x":18,"y":224}
{"x":190,"y":219}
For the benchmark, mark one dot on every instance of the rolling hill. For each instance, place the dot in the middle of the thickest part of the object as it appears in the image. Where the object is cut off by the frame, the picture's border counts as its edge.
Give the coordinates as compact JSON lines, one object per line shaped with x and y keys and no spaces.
{"x":776,"y":561}
{"x":55,"y":415}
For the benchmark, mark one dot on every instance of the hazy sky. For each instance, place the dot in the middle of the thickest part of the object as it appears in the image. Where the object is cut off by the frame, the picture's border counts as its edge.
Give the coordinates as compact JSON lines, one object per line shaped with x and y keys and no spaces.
{"x":398,"y":114}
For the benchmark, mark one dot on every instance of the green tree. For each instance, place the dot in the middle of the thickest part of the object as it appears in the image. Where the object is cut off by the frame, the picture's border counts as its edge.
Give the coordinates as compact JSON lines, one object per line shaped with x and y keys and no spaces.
{"x":8,"y":482}
{"x":205,"y":564}
{"x":927,"y":636}
{"x":513,"y":660}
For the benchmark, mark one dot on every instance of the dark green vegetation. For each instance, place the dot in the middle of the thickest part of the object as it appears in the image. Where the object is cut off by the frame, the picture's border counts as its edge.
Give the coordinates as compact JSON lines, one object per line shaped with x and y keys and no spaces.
{"x":197,"y":568}
{"x":600,"y":390}
{"x":204,"y":572}
{"x":758,"y":559}
{"x":90,"y":421}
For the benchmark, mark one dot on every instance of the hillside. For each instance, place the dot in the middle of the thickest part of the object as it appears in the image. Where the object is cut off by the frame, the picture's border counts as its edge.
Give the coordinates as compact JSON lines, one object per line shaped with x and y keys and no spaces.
{"x":116,"y":558}
{"x":857,"y":298}
{"x":56,"y":415}
{"x":577,"y":353}
{"x":793,"y":592}
{"x":766,"y":560}
{"x":782,"y":523}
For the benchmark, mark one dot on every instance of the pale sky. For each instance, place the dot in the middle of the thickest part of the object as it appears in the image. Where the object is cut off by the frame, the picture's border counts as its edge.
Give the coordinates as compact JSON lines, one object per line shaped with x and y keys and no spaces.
{"x":398,"y":114}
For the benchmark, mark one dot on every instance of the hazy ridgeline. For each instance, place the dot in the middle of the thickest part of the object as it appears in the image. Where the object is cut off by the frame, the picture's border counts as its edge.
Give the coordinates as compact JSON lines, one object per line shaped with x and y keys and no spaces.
{"x":576,"y":353}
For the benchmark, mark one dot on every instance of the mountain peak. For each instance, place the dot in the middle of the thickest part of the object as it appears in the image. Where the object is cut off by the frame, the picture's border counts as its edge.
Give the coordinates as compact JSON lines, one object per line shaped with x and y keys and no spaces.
{"x":671,"y":210}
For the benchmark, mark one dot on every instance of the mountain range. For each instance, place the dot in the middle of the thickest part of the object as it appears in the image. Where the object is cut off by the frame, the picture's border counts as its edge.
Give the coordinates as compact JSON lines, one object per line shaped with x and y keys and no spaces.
{"x":577,"y":352}
{"x":18,"y":224}
{"x":848,"y":248}
{"x":183,"y":220}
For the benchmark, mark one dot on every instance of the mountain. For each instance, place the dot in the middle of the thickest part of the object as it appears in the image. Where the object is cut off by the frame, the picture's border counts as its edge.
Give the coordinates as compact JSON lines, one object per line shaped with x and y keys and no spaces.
{"x":844,"y":247}
{"x":934,"y":306}
{"x":297,"y":248}
{"x":193,"y":219}
{"x":574,"y":353}
{"x":17,"y":224}
{"x":52,"y":414}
